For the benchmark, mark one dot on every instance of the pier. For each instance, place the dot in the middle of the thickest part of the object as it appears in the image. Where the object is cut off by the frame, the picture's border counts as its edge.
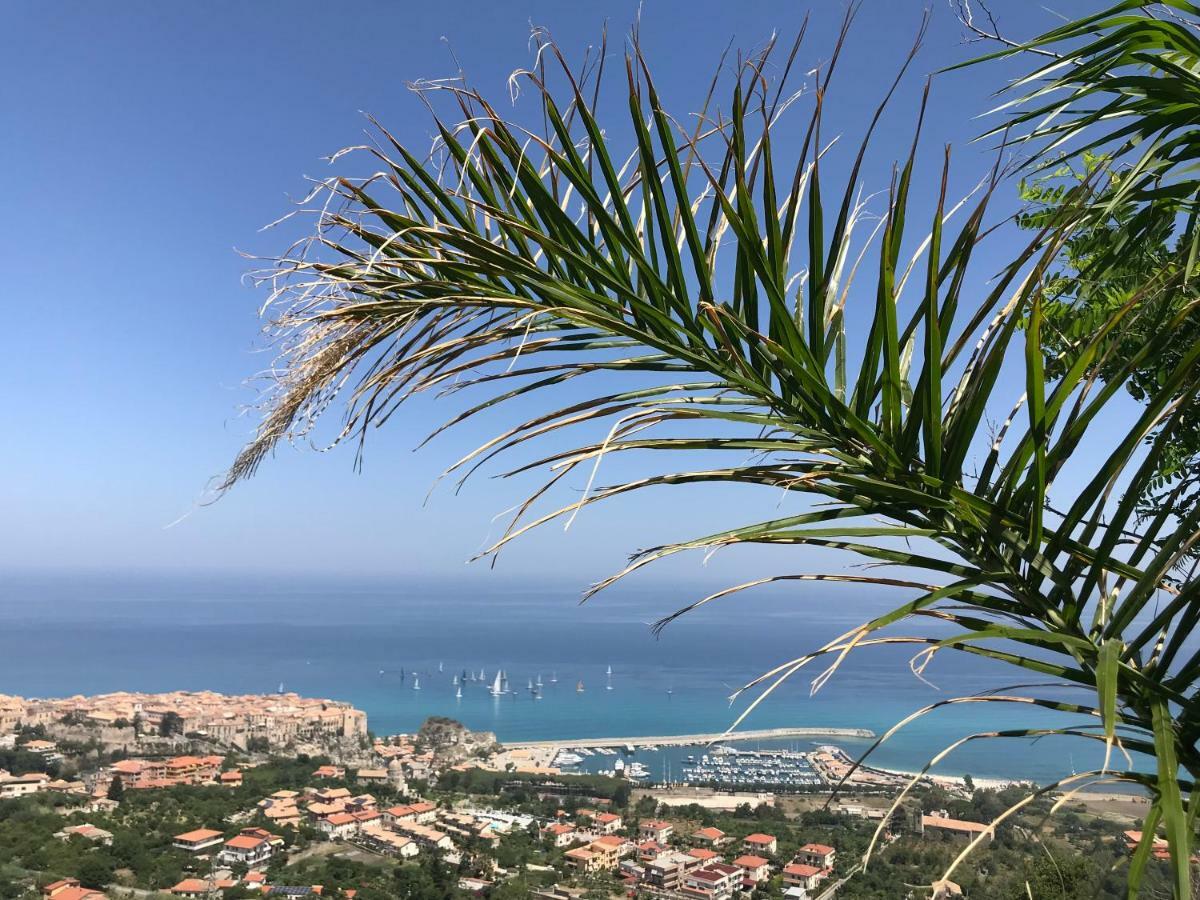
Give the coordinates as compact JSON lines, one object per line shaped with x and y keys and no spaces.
{"x":683,"y":740}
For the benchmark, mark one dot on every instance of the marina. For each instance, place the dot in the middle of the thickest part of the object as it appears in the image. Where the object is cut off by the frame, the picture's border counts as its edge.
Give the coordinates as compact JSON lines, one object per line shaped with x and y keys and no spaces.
{"x":721,"y":766}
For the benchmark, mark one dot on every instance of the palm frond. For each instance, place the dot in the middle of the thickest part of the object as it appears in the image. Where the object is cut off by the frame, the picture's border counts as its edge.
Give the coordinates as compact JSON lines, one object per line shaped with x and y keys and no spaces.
{"x":698,"y":265}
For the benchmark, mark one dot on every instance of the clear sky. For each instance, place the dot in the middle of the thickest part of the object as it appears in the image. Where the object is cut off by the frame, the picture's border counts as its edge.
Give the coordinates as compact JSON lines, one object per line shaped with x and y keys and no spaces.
{"x":144,"y":142}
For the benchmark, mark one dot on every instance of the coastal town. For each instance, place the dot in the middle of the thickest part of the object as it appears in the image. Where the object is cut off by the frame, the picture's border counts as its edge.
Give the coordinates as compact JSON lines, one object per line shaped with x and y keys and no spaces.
{"x":203,"y":796}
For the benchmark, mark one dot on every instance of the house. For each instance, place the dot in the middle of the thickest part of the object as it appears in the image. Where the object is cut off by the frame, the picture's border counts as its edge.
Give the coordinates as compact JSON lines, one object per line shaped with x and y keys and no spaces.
{"x":373,"y":776}
{"x":89,"y":832}
{"x":710,"y":837}
{"x":610,"y":848}
{"x":425,"y":811}
{"x":329,"y":772}
{"x":20,"y":785}
{"x":426,"y":836}
{"x":198,"y":841}
{"x":760,"y":844}
{"x":655,"y":830}
{"x":706,"y":856}
{"x":331,"y":795}
{"x":232,"y":778}
{"x":250,"y":848}
{"x":381,"y":840}
{"x":69,"y":889}
{"x":958,"y":828}
{"x":583,"y":860}
{"x":608,"y":823}
{"x":1158,"y":848}
{"x":200,"y":888}
{"x":399,"y":814}
{"x":801,"y":875}
{"x":754,"y":868}
{"x":819,"y":855}
{"x":665,"y":872}
{"x":795,"y":893}
{"x":713,"y":882}
{"x":648,"y":850}
{"x":560,"y":833}
{"x":339,"y":825}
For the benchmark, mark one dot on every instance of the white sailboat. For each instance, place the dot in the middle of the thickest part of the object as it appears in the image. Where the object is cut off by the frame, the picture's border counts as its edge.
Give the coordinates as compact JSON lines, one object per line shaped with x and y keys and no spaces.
{"x":416,"y":683}
{"x":554,"y":678}
{"x":458,"y":693}
{"x":439,"y":666}
{"x":503,"y":682}
{"x":454,"y":680}
{"x":497,"y":685}
{"x":539,"y":679}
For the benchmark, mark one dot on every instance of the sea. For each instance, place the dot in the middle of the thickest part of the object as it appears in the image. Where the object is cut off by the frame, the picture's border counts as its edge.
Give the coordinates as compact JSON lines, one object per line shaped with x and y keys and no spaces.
{"x":393,"y":646}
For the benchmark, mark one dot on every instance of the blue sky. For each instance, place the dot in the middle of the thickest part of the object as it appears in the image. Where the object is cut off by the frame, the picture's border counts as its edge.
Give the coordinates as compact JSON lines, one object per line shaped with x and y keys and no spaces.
{"x":144,"y":142}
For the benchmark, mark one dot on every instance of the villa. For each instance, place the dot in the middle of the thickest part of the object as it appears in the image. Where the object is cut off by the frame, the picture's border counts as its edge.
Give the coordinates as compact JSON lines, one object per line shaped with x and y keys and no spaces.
{"x":199,"y":840}
{"x":250,"y":848}
{"x":754,"y":868}
{"x":819,"y":855}
{"x":712,"y":837}
{"x":760,"y":843}
{"x":655,"y":830}
{"x":801,"y":875}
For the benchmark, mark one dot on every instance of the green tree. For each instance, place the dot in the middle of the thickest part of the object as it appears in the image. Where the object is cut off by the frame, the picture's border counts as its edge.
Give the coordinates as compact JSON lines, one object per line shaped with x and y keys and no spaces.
{"x":705,"y":303}
{"x":116,"y":789}
{"x":171,"y":724}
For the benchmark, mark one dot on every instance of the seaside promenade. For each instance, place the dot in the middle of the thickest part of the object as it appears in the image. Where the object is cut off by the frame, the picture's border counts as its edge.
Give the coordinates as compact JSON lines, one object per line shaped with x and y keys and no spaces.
{"x":682,"y":740}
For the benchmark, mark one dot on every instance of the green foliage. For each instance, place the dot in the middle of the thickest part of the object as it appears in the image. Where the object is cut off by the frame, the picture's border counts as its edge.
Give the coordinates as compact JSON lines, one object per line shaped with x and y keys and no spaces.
{"x":716,"y":281}
{"x":1092,"y":286}
{"x":171,"y":724}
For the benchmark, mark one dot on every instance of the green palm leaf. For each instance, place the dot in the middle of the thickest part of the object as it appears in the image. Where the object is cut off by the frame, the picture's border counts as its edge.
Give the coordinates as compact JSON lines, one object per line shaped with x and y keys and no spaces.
{"x":705,"y":272}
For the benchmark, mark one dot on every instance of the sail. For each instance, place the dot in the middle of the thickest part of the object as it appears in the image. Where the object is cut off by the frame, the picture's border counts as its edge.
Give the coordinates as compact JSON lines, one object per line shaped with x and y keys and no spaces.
{"x":497,"y":684}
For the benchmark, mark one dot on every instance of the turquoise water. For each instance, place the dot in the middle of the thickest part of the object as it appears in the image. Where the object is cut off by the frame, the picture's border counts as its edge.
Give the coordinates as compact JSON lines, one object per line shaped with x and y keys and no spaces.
{"x":69,"y":635}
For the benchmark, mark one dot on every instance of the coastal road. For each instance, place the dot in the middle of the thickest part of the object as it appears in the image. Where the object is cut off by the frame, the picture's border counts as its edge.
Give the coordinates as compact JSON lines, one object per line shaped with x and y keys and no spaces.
{"x":680,"y":740}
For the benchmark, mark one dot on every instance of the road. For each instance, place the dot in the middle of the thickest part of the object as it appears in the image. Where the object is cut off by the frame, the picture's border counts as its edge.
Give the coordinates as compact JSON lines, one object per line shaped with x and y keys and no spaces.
{"x":680,"y":740}
{"x":830,"y":892}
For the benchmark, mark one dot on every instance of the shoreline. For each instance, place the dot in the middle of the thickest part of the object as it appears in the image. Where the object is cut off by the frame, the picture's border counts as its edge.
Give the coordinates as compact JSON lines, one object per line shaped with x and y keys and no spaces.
{"x":686,"y":740}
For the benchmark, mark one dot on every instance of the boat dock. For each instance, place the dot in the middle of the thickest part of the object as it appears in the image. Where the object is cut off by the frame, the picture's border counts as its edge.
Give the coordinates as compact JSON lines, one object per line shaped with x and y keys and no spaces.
{"x":683,"y":740}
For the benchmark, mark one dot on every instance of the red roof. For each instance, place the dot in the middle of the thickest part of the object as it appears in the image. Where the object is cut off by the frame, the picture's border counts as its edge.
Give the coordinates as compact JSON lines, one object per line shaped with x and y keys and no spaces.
{"x":199,"y":835}
{"x":751,"y":862}
{"x":245,"y":842}
{"x":801,"y":870}
{"x":760,"y":839}
{"x":702,"y":853}
{"x":818,"y":849}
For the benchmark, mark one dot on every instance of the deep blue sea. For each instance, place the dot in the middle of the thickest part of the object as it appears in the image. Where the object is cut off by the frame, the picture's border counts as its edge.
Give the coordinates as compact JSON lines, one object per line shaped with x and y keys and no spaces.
{"x":350,"y":640}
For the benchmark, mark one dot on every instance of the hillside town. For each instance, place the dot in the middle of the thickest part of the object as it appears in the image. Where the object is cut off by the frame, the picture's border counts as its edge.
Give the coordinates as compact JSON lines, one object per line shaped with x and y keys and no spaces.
{"x":445,"y":812}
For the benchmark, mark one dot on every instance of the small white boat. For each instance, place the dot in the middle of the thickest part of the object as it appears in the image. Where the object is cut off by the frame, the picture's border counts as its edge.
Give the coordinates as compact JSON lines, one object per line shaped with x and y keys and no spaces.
{"x":458,"y":693}
{"x":416,"y":683}
{"x":497,"y":685}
